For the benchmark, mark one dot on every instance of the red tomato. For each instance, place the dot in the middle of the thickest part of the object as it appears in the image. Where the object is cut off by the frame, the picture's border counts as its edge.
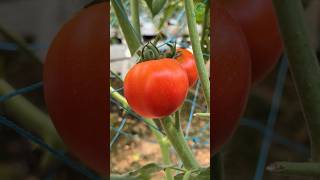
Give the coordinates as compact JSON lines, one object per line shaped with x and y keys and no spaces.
{"x":186,"y":60}
{"x":75,"y":85}
{"x":156,"y":88}
{"x":231,"y":67}
{"x":258,"y":21}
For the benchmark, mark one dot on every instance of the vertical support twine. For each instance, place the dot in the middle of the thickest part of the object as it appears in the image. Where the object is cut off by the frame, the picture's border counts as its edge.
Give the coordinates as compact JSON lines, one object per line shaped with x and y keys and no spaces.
{"x":267,"y":139}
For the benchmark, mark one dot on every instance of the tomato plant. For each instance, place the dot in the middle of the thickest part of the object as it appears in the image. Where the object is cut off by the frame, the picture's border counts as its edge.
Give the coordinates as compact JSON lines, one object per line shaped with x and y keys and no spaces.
{"x":258,"y":21}
{"x":187,"y":62}
{"x":231,"y":65}
{"x":199,"y":11}
{"x":75,"y":85}
{"x":156,"y":88}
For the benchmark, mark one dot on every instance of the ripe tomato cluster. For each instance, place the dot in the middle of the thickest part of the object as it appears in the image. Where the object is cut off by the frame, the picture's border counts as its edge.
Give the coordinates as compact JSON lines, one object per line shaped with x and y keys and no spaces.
{"x":246,"y":46}
{"x":186,"y":60}
{"x":258,"y":21}
{"x":231,"y":76}
{"x":157,"y":88}
{"x":75,"y":85}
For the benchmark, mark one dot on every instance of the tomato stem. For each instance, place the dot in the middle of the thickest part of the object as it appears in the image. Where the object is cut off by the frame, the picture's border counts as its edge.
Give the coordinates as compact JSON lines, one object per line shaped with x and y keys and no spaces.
{"x":176,"y":137}
{"x":196,"y":47}
{"x":165,"y":152}
{"x":172,"y":54}
{"x":128,"y":31}
{"x":149,"y":52}
{"x":23,"y":46}
{"x":304,"y":66}
{"x":26,"y":113}
{"x":134,"y":7}
{"x":204,"y":115}
{"x":293,"y":168}
{"x":177,"y":119}
{"x":157,"y":38}
{"x":162,"y":140}
{"x":22,"y":110}
{"x":205,"y":43}
{"x":31,"y":118}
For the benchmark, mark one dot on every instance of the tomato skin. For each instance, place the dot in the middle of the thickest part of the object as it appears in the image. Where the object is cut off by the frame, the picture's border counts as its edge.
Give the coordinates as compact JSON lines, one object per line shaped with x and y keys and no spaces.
{"x":231,"y":67}
{"x":259,"y":23}
{"x":75,"y":85}
{"x":156,"y":88}
{"x":187,"y":61}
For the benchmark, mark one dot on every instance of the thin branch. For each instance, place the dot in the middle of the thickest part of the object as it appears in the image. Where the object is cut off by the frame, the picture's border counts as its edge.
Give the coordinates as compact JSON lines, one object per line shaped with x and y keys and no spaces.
{"x":204,"y":115}
{"x":128,"y":31}
{"x":21,"y":44}
{"x":134,"y":6}
{"x":291,"y":168}
{"x":304,"y":66}
{"x":162,"y":140}
{"x":196,"y":47}
{"x":176,"y":137}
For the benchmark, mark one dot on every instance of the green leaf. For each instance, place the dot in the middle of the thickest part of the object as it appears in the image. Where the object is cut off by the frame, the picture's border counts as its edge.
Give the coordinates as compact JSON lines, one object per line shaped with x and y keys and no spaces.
{"x":143,"y":173}
{"x":199,"y":9}
{"x":198,"y":174}
{"x":155,"y":6}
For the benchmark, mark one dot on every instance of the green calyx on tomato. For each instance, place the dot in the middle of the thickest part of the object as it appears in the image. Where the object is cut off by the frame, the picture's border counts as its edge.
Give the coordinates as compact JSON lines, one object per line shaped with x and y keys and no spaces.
{"x":157,"y":85}
{"x":150,"y":51}
{"x":183,"y":56}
